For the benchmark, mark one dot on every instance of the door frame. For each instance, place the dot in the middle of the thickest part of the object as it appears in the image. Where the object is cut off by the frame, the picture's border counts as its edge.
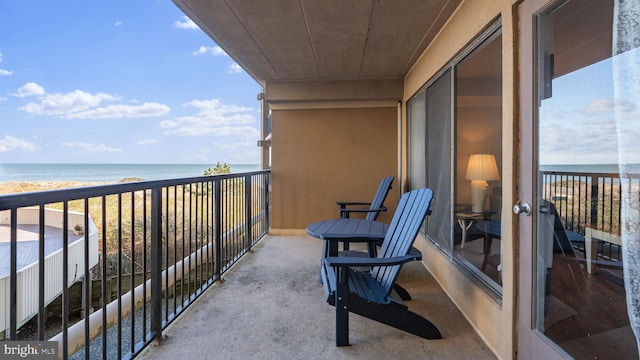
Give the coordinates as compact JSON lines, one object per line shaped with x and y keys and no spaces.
{"x":532,"y":344}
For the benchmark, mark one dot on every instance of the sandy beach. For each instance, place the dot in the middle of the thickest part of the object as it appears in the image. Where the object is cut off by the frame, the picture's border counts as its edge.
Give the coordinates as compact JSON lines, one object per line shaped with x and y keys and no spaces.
{"x":11,"y":187}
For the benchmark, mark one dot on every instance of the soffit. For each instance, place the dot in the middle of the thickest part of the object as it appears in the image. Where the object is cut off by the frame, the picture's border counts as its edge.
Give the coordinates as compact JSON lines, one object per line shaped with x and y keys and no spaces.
{"x":287,"y":40}
{"x":583,"y":37}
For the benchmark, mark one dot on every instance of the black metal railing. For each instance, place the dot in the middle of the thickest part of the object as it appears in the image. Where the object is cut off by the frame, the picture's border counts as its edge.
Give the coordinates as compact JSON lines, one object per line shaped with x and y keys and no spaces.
{"x":589,"y":200}
{"x":147,"y":251}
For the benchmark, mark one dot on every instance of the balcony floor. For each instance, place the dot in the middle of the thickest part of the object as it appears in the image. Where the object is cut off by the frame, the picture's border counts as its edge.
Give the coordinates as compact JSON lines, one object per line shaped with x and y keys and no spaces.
{"x":271,"y":306}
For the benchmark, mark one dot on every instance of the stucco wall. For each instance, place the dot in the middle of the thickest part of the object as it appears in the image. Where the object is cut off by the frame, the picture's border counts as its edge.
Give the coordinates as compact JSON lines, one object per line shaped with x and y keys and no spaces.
{"x":321,"y":156}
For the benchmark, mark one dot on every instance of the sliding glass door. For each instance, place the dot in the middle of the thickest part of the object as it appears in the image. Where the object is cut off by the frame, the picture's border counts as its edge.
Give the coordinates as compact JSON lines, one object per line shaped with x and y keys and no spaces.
{"x":580,"y":182}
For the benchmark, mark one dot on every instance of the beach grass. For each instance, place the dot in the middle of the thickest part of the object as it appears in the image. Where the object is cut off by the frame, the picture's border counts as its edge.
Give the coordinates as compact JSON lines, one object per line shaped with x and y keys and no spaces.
{"x":121,"y":225}
{"x":12,"y":187}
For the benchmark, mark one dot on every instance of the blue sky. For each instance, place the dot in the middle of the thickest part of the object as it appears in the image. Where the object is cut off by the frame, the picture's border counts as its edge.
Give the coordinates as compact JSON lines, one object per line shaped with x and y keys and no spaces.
{"x":119,"y":81}
{"x":586,"y":121}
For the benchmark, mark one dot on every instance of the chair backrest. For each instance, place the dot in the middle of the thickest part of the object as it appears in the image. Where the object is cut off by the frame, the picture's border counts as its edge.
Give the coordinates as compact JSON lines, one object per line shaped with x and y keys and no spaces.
{"x":563,"y":238}
{"x":379,"y":197}
{"x":552,"y":236}
{"x":412,"y":209}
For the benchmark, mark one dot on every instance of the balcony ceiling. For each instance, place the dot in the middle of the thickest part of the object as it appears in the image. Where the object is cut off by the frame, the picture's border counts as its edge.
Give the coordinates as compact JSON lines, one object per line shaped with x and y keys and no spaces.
{"x":295,"y":40}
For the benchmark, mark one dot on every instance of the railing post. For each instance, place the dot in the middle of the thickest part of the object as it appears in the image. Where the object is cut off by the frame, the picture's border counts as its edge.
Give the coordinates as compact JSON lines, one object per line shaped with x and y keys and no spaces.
{"x":218,"y":229}
{"x":65,"y":280}
{"x":267,"y":200}
{"x":594,"y":202}
{"x":41,"y":272}
{"x":247,"y":205}
{"x":13,"y":287}
{"x":156,"y":263}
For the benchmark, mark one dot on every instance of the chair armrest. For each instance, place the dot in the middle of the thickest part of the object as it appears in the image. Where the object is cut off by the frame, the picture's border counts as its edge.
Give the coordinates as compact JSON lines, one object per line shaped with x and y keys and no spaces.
{"x":362,"y":210}
{"x":351,"y":237}
{"x":344,"y":261}
{"x":346,"y":203}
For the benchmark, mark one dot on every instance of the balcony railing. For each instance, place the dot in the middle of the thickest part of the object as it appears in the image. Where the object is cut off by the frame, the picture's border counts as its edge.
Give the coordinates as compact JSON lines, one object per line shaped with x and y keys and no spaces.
{"x":160,"y":244}
{"x":589,"y":200}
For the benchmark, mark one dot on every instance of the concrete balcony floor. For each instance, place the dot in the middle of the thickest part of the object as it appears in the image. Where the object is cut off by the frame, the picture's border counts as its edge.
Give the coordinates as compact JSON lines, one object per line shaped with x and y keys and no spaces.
{"x":271,"y":306}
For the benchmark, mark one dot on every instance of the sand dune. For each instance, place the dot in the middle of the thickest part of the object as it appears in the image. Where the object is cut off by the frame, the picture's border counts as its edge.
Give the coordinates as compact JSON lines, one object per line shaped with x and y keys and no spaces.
{"x":10,"y":187}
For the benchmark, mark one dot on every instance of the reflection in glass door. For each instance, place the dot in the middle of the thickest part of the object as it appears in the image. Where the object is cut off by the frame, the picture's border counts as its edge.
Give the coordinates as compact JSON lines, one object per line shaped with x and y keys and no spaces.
{"x":586,"y":181}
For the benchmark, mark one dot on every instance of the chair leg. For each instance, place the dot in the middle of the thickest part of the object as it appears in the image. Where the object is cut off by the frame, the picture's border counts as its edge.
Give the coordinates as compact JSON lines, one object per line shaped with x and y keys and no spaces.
{"x":373,"y":251}
{"x":342,"y":308}
{"x":325,"y":253}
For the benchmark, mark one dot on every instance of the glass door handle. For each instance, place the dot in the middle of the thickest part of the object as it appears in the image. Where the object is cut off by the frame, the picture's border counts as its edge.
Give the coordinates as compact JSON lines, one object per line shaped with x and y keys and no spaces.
{"x":524,"y":209}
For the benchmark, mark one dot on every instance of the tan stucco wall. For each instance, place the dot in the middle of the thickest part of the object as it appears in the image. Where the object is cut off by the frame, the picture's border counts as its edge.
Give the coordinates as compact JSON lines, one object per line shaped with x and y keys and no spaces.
{"x":494,"y":321}
{"x":321,"y":156}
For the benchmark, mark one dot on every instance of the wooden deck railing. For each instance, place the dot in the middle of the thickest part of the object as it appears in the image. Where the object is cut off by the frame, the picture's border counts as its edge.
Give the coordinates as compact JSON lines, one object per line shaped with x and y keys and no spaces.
{"x":588,"y":200}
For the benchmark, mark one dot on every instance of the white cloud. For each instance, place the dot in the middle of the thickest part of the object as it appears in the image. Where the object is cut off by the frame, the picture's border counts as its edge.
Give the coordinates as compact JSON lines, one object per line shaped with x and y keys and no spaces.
{"x":118,"y":24}
{"x":562,"y":139}
{"x":79,"y":104}
{"x":234,"y":68}
{"x":30,"y":89}
{"x":213,"y":50}
{"x":122,"y":111}
{"x":168,"y":123}
{"x":193,"y":130}
{"x":94,"y":148}
{"x":64,"y":104}
{"x":147,"y":141}
{"x":213,"y":107}
{"x":9,"y":143}
{"x":214,"y":117}
{"x":594,"y":134}
{"x":185,"y":23}
{"x":608,"y":105}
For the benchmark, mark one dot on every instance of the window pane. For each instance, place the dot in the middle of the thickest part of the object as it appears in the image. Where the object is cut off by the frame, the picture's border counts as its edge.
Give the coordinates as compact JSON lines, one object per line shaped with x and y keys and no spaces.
{"x":417,"y":133}
{"x":478,"y":190}
{"x":438,"y":161}
{"x":432,"y":150}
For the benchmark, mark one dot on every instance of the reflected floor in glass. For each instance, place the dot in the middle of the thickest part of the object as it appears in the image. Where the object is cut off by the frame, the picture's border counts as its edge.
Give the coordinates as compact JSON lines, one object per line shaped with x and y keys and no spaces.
{"x":586,"y":314}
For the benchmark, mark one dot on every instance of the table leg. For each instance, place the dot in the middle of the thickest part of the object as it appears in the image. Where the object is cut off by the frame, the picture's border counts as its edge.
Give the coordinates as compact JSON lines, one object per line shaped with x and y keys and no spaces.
{"x":488,"y":239}
{"x":590,"y":250}
{"x":464,"y":226}
{"x":333,"y":247}
{"x":330,"y":248}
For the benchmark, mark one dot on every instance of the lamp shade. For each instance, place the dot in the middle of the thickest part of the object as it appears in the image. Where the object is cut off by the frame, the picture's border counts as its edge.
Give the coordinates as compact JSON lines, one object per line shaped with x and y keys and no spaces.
{"x":482,"y":167}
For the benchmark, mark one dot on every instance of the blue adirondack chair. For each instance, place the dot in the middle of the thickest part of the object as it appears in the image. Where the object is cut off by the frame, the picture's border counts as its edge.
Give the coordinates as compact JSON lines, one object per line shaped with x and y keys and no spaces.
{"x":370,"y":293}
{"x":345,"y":208}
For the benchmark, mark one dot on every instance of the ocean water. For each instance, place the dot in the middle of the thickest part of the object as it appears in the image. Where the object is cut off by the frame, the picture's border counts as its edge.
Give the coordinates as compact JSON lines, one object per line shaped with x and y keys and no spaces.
{"x":116,"y":172}
{"x":591,"y":168}
{"x":108,"y":172}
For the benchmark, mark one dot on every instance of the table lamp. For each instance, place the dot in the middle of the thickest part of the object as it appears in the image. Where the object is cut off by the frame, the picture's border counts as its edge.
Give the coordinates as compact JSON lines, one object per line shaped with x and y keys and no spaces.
{"x":480,"y":169}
